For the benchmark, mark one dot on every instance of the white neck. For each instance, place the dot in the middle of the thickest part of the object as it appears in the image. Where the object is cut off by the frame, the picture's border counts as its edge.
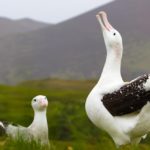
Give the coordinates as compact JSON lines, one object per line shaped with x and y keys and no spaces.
{"x":111,"y":70}
{"x":39,"y":127}
{"x":40,"y":119}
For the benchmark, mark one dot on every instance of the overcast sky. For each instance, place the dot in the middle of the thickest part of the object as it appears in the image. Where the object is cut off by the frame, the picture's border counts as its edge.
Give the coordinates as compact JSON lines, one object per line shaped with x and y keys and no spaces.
{"x":52,"y":11}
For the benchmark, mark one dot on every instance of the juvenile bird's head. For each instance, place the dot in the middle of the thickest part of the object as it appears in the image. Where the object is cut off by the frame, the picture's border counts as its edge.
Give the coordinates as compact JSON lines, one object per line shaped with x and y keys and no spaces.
{"x":39,"y":103}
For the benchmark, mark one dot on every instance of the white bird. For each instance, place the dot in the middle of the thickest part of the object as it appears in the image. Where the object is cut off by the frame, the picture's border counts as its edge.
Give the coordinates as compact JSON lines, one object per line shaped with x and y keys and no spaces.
{"x":38,"y":130}
{"x":120,"y":108}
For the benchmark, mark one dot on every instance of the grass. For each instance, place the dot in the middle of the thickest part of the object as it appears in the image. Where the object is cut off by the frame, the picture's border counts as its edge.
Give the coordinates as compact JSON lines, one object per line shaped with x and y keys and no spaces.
{"x":69,"y":127}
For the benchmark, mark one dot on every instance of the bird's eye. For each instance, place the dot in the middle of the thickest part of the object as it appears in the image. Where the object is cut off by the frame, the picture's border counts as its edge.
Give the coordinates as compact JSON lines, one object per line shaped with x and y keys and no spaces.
{"x":114,"y":34}
{"x":34,"y":100}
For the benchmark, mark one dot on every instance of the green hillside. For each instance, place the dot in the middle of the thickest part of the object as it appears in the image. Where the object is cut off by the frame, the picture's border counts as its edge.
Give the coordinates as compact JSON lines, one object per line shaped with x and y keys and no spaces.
{"x":69,"y":127}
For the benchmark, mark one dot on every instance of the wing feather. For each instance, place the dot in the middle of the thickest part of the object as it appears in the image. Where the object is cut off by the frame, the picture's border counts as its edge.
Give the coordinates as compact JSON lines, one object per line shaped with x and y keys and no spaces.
{"x":129,"y":98}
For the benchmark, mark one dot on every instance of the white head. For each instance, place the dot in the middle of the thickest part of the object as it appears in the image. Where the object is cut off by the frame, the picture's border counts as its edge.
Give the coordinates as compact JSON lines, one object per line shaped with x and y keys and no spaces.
{"x":112,"y":37}
{"x":39,"y":103}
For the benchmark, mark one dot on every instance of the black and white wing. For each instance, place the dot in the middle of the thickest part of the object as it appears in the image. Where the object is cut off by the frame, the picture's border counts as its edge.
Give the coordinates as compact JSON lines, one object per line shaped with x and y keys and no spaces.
{"x":12,"y":130}
{"x":129,"y":98}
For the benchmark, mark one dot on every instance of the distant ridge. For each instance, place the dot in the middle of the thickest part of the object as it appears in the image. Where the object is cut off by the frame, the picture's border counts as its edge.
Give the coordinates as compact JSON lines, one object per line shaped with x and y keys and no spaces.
{"x":75,"y":48}
{"x":9,"y":26}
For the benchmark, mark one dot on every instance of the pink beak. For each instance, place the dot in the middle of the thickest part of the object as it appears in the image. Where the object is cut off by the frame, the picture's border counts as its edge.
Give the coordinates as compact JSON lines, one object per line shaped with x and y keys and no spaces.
{"x":44,"y":103}
{"x":102,"y":18}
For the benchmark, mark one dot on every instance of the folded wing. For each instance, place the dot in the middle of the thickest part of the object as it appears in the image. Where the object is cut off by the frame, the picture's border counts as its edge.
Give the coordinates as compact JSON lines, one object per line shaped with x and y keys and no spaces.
{"x":129,"y":98}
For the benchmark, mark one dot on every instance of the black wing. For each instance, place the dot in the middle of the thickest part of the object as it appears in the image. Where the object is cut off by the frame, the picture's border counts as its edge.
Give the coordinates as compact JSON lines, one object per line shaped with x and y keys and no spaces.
{"x":129,"y":98}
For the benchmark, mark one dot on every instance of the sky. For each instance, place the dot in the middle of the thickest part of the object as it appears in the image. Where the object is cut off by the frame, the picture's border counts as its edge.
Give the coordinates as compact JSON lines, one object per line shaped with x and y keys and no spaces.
{"x":50,"y":11}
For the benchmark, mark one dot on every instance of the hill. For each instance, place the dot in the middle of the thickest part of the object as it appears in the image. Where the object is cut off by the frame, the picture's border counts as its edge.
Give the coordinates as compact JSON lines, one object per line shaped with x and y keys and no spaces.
{"x":9,"y":26}
{"x":75,"y":49}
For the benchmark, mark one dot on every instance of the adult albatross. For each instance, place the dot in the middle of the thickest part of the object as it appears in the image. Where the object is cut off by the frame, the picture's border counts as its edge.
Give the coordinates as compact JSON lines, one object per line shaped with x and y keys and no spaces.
{"x":37,"y":131}
{"x":120,"y":108}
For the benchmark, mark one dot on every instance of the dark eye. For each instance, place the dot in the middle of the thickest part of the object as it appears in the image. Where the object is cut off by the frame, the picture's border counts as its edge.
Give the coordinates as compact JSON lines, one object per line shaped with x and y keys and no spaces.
{"x":34,"y":100}
{"x":114,"y":34}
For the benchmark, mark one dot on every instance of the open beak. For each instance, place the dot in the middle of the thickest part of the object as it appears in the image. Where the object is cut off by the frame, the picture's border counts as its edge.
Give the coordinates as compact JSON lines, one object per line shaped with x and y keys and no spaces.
{"x":102,"y":18}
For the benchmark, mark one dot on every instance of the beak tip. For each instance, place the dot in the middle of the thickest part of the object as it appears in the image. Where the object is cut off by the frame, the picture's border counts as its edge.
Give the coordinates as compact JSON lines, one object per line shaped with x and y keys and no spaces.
{"x":101,"y":14}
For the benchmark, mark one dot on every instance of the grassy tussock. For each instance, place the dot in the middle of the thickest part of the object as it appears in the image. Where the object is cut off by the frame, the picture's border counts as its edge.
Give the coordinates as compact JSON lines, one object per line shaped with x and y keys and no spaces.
{"x":20,"y":144}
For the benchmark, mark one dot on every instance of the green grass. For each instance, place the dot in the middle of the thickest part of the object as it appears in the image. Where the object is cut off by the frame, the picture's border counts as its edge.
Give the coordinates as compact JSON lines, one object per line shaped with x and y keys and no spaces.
{"x":22,"y":145}
{"x":69,"y":127}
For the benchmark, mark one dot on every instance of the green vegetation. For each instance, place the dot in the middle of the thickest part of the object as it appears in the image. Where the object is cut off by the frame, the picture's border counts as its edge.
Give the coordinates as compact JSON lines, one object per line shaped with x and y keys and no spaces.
{"x":69,"y":127}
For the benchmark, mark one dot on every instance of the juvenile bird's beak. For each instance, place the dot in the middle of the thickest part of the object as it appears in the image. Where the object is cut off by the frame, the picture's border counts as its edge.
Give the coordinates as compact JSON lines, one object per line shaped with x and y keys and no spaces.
{"x":44,"y":103}
{"x":102,"y":18}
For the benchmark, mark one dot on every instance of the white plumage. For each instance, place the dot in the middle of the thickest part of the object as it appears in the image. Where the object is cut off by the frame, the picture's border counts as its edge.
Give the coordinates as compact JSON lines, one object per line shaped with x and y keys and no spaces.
{"x":135,"y":122}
